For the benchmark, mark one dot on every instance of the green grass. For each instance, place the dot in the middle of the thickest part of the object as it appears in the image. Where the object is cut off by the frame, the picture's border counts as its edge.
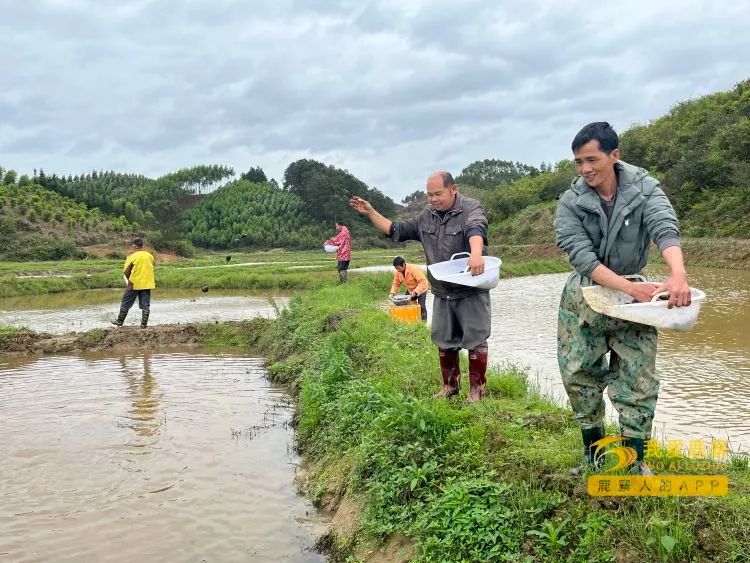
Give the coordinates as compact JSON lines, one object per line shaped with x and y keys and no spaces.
{"x":244,"y":334}
{"x":464,"y":482}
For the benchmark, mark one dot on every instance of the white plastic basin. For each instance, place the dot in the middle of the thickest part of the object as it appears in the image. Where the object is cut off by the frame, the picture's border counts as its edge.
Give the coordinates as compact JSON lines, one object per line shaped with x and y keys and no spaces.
{"x":401,"y":299}
{"x":330,"y":248}
{"x":616,"y":304}
{"x":456,"y":271}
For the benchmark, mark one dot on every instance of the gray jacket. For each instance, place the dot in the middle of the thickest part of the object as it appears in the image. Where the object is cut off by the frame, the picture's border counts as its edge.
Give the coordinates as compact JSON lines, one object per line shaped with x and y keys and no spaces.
{"x":444,"y":236}
{"x":642,"y":213}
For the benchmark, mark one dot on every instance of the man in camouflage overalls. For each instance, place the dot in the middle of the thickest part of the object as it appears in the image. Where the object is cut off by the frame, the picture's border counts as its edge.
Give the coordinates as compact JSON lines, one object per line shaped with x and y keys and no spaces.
{"x":605,"y":223}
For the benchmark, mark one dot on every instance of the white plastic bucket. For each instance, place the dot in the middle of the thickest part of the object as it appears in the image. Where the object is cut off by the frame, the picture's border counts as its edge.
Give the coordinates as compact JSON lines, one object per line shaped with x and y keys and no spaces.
{"x":456,"y":271}
{"x":616,"y":304}
{"x":330,"y":248}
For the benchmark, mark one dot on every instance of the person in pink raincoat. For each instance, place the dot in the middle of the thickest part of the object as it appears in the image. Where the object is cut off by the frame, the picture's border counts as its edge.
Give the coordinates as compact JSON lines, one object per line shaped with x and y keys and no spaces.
{"x":344,"y":254}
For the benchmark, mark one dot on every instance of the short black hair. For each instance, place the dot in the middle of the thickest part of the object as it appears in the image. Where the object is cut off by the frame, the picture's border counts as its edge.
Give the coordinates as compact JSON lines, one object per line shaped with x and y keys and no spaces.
{"x":398,"y":261}
{"x":138,"y":242}
{"x":448,"y":180}
{"x":600,"y":131}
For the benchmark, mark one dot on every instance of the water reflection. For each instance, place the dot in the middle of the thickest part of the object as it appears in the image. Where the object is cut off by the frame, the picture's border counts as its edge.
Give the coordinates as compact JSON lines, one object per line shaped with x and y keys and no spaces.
{"x":145,"y":396}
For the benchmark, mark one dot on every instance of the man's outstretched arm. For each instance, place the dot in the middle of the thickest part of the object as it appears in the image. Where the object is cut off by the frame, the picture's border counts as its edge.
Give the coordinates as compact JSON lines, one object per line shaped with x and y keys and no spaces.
{"x":365,"y":208}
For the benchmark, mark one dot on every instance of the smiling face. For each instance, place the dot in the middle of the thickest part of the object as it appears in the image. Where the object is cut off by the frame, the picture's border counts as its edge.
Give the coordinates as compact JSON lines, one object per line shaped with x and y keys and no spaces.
{"x":440,"y":197}
{"x":596,"y":167}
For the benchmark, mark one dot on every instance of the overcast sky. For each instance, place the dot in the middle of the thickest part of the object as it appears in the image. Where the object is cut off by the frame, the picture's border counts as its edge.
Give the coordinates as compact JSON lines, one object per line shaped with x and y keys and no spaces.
{"x":390,"y":90}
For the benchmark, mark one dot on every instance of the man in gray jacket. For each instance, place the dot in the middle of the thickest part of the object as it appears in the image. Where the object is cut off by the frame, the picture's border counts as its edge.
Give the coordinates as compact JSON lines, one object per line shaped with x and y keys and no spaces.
{"x":605,"y":223}
{"x":461,"y":315}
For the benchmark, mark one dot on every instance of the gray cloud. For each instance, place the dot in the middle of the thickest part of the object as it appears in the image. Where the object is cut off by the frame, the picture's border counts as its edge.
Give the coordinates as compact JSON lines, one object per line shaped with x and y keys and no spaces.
{"x":389,"y":90}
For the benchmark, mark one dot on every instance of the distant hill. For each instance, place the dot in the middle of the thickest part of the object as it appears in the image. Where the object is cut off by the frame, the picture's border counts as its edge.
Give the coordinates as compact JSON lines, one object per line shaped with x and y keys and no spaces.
{"x":208,"y":207}
{"x":39,"y":224}
{"x":150,"y":203}
{"x":250,"y":214}
{"x":301,"y":214}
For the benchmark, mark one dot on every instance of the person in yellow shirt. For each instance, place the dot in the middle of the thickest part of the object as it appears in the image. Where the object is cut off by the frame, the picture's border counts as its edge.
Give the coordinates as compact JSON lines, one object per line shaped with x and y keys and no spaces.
{"x":139,"y":273}
{"x":415,"y":280}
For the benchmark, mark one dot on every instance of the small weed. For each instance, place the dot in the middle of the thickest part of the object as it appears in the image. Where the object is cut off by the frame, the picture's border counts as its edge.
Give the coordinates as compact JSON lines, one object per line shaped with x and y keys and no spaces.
{"x":660,"y":539}
{"x":95,"y":336}
{"x":552,"y":537}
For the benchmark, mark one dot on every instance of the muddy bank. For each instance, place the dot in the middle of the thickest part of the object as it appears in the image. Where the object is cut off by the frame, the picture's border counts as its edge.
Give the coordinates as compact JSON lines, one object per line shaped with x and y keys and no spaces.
{"x":344,"y":537}
{"x":23,"y":342}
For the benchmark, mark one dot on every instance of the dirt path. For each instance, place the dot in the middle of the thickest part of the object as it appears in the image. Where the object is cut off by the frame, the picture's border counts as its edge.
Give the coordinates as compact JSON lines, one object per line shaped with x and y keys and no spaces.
{"x":25,"y":342}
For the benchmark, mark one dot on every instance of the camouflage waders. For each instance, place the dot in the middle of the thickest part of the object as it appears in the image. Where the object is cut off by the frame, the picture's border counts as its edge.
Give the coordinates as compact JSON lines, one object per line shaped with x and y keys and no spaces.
{"x":583,"y":339}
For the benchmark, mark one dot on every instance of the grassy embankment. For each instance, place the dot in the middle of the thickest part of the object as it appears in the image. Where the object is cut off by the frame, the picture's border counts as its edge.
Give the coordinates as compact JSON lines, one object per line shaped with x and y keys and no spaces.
{"x":445,"y":481}
{"x":278,"y":270}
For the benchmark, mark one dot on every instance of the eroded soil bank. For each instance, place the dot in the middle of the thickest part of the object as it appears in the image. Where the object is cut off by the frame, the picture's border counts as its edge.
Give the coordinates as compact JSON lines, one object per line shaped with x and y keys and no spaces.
{"x":23,"y":342}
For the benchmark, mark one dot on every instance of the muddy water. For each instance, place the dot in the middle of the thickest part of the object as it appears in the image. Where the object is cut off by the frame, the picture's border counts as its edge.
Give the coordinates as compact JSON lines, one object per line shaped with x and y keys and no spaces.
{"x":148,"y":457}
{"x":84,"y":310}
{"x":705,"y":373}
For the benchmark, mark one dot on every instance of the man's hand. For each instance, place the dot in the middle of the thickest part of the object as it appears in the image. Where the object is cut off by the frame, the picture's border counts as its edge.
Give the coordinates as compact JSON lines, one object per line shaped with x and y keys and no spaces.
{"x":361,"y":206}
{"x":413,"y":294}
{"x":390,"y":295}
{"x":476,"y":264}
{"x":130,"y":284}
{"x":642,"y":292}
{"x":678,"y":288}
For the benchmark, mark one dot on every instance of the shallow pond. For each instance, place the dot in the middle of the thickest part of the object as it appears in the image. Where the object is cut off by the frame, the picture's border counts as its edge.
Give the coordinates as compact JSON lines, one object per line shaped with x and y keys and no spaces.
{"x":180,"y":456}
{"x":85,"y":310}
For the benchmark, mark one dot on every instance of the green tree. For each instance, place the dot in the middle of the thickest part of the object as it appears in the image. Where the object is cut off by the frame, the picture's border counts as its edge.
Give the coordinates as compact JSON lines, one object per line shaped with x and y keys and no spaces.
{"x":414,"y":197}
{"x":10,"y":177}
{"x":255,"y":174}
{"x":490,"y":173}
{"x":326,"y":191}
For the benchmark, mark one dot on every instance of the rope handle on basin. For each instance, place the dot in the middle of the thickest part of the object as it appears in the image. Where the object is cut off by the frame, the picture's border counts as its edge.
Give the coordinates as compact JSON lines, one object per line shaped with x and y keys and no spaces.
{"x":661,"y":296}
{"x":636,"y":277}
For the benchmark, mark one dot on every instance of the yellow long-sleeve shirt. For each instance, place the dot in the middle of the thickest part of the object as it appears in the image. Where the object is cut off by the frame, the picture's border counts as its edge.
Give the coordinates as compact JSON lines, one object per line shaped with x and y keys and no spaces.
{"x":413,"y":277}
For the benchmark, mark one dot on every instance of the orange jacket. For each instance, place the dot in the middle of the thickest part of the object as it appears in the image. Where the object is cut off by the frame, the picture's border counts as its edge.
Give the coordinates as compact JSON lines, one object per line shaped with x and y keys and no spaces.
{"x":414,"y":278}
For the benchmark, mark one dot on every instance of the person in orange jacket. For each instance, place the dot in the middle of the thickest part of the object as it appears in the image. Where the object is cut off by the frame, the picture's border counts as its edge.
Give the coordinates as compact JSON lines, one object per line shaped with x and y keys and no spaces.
{"x":416,"y":283}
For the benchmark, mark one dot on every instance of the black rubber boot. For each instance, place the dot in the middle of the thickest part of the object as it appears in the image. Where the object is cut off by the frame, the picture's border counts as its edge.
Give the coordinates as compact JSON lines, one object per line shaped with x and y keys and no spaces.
{"x":342,"y":276}
{"x":589,"y":435}
{"x":144,"y":317}
{"x":121,"y":317}
{"x":639,"y":467}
